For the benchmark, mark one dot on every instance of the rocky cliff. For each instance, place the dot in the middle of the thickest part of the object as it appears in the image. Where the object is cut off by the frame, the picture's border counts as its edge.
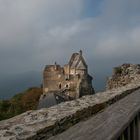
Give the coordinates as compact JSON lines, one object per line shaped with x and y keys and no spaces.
{"x":123,"y":75}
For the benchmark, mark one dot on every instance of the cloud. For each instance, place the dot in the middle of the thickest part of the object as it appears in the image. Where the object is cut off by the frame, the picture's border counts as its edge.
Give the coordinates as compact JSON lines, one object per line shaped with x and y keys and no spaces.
{"x":26,"y":26}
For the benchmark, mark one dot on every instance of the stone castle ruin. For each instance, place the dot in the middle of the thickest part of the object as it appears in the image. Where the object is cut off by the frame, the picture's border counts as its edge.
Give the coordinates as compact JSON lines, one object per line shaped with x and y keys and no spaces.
{"x":66,"y":83}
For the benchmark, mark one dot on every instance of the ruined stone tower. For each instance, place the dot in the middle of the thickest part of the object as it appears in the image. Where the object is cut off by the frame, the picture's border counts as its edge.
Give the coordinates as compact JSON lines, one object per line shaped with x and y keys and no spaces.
{"x":65,"y":83}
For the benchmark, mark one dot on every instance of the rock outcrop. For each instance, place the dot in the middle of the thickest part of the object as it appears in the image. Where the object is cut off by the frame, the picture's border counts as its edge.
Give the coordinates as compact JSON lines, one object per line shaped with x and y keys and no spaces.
{"x":123,"y":75}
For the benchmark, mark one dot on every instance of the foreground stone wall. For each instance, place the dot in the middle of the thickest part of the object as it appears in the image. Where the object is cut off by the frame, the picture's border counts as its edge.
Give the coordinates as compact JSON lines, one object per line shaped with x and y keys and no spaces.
{"x":44,"y":123}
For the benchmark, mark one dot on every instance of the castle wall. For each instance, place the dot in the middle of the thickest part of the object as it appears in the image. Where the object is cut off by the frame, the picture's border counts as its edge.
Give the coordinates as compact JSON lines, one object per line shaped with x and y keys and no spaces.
{"x":66,"y":69}
{"x":56,"y":80}
{"x":72,"y":71}
{"x":86,"y":87}
{"x":81,"y":72}
{"x":52,"y":76}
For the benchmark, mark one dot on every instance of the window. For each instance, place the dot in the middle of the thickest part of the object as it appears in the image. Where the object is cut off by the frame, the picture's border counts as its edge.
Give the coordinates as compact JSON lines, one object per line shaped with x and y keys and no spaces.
{"x":67,"y":86}
{"x":60,"y":86}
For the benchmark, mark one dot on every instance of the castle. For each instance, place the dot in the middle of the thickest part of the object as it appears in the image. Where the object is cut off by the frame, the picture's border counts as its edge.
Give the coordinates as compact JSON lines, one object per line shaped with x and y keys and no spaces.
{"x":66,"y":83}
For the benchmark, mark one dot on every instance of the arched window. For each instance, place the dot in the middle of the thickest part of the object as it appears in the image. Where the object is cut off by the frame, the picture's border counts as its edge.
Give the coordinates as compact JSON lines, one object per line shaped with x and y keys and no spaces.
{"x":78,"y":75}
{"x":66,"y":86}
{"x":60,"y":85}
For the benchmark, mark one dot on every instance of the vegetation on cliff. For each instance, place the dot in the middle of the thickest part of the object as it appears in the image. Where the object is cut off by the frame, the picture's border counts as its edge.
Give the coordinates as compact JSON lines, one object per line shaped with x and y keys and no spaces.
{"x":21,"y":102}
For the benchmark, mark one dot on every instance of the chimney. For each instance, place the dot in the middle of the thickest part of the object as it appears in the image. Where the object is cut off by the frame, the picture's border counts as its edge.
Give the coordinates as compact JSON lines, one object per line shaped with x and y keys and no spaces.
{"x":55,"y":65}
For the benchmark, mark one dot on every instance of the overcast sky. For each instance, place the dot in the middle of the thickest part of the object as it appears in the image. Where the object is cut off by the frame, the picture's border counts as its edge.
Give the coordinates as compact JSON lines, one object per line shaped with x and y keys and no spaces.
{"x":34,"y":33}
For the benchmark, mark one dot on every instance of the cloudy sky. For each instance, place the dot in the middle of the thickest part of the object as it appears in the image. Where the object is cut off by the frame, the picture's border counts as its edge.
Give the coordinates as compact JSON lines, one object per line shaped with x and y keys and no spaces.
{"x":34,"y":33}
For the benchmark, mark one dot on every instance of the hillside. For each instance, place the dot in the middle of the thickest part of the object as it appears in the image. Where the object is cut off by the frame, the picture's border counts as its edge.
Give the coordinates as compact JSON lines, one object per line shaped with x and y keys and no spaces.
{"x":21,"y":102}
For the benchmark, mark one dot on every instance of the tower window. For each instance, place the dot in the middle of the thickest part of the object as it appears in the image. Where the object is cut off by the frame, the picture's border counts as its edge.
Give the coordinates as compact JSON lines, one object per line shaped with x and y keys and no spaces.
{"x":60,"y":86}
{"x":66,"y":85}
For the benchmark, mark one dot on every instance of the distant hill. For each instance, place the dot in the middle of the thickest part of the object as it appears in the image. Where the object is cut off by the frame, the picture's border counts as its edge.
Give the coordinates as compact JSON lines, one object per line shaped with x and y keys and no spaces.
{"x":21,"y":102}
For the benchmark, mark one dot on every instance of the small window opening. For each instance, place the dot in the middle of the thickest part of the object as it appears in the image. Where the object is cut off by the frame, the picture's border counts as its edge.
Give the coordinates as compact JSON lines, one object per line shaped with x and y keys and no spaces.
{"x":59,"y":86}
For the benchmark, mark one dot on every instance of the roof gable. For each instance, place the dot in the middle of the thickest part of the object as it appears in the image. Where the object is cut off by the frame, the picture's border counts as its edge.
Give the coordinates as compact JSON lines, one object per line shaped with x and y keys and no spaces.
{"x":77,"y":61}
{"x":81,"y":65}
{"x":74,"y":55}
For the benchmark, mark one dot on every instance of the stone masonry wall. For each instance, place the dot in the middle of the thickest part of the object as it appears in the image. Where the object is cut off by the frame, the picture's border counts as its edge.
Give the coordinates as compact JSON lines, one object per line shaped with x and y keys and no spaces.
{"x":44,"y":123}
{"x":123,"y":75}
